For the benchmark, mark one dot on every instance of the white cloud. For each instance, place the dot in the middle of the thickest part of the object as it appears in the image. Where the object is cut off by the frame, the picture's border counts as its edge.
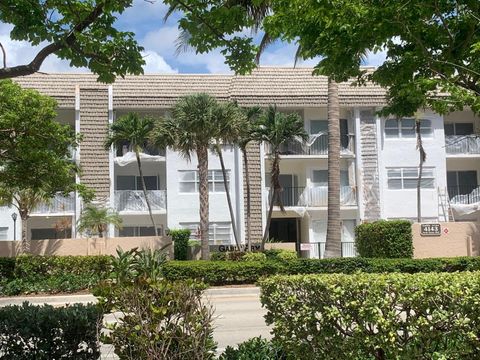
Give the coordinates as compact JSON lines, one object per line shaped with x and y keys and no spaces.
{"x":161,"y":40}
{"x":375,"y":59}
{"x":156,"y":63}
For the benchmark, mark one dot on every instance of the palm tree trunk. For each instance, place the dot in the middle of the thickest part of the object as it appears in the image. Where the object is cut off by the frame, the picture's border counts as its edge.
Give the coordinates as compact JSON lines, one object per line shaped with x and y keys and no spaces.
{"x":422,"y":158}
{"x":333,"y":243}
{"x":144,"y":188}
{"x":218,"y":149}
{"x":202,"y":155}
{"x":275,"y":183}
{"x":24,"y":243}
{"x":249,"y":215}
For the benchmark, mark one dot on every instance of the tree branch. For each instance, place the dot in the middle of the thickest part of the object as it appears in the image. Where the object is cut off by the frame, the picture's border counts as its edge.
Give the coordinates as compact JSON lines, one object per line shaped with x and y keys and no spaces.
{"x":4,"y":55}
{"x":68,"y":41}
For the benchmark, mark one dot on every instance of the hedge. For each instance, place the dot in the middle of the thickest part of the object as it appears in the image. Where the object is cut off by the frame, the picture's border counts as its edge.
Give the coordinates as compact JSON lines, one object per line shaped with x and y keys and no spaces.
{"x":44,"y":332}
{"x":375,"y":316}
{"x":52,"y":274}
{"x":233,"y":272}
{"x":180,"y":238}
{"x":384,"y":239}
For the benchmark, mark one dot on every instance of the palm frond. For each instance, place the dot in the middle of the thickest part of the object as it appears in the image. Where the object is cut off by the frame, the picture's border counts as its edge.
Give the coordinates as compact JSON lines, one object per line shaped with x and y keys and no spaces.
{"x":182,"y":43}
{"x":266,"y":41}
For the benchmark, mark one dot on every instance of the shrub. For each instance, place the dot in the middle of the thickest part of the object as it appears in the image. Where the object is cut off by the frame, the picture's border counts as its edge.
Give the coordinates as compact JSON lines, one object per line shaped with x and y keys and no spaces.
{"x":254,"y":349}
{"x":7,"y":267}
{"x":254,"y":256}
{"x":160,"y":319}
{"x":287,"y":255}
{"x":218,"y":256}
{"x":375,"y":316}
{"x":44,"y":332}
{"x":180,"y":238}
{"x":384,"y":239}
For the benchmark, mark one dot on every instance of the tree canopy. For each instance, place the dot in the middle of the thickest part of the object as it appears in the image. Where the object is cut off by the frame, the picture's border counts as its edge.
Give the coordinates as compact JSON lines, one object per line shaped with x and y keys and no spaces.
{"x":35,"y":160}
{"x":80,"y":31}
{"x":432,"y":47}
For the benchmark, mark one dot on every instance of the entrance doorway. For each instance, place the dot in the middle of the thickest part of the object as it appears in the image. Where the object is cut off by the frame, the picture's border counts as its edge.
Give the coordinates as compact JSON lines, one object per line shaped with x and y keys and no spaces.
{"x":285,"y":230}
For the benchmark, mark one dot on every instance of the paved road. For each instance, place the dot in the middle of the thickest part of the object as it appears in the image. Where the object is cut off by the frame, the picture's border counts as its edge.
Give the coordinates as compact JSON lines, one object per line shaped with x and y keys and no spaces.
{"x":238,"y":313}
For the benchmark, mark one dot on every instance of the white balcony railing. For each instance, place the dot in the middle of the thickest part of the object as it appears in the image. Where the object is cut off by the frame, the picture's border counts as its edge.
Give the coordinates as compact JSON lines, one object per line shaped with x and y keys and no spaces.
{"x":59,"y":204}
{"x":462,"y":144}
{"x":314,"y":196}
{"x":134,"y":200}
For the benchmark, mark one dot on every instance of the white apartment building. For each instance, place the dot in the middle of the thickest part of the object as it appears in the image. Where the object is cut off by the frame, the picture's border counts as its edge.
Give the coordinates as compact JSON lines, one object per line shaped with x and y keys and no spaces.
{"x":379,"y":160}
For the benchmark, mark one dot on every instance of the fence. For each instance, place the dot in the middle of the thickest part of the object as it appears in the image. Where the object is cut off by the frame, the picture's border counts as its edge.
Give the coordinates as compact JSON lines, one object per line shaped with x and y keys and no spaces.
{"x":347,"y":249}
{"x":314,"y":196}
{"x":462,"y":144}
{"x":316,"y":146}
{"x":134,"y":200}
{"x":85,"y":246}
{"x":58,"y":204}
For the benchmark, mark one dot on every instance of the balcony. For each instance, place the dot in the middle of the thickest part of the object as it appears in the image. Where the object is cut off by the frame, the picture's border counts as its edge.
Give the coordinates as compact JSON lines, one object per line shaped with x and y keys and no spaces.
{"x":347,"y":248}
{"x":464,"y":195}
{"x":316,"y":145}
{"x":314,"y":196}
{"x":59,"y":204}
{"x":462,"y":145}
{"x":134,"y":201}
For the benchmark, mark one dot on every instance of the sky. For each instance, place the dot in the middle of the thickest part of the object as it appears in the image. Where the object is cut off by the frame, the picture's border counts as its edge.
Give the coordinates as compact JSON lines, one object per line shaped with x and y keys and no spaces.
{"x":145,"y":19}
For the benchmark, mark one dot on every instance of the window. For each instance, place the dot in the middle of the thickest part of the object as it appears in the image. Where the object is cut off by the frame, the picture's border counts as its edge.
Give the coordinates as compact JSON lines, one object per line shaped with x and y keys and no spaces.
{"x":189,"y":181}
{"x":405,"y":128}
{"x":135,"y":182}
{"x":407,"y":178}
{"x":458,"y":129}
{"x":3,"y":233}
{"x":320,"y":177}
{"x":219,"y":233}
{"x":139,"y":231}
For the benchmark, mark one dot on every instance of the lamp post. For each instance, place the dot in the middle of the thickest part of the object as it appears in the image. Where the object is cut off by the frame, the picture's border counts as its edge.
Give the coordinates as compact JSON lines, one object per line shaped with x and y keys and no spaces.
{"x":14,"y":218}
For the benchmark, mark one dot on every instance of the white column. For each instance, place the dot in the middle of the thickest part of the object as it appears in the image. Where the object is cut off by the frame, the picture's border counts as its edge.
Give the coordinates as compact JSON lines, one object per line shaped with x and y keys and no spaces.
{"x":111,"y":168}
{"x":380,"y":167}
{"x":262,"y":174}
{"x":358,"y":164}
{"x":239,"y":193}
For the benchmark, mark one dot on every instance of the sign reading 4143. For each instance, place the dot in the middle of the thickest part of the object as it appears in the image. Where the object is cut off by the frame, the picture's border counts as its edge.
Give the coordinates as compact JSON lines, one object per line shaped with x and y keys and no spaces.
{"x":430,"y":230}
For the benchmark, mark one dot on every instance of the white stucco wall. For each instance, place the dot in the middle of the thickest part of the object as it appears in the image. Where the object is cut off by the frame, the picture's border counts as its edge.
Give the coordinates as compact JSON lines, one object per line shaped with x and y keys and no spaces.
{"x":401,"y":152}
{"x":184,"y":207}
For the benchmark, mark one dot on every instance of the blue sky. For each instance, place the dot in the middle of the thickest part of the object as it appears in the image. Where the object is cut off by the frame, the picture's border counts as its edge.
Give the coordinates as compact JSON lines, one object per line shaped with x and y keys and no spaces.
{"x":145,"y":19}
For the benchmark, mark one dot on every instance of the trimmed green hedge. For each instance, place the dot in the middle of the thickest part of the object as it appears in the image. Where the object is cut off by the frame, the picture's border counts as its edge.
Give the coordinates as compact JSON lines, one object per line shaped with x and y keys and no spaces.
{"x":233,"y":272}
{"x":52,"y":274}
{"x":375,"y":316}
{"x":44,"y":332}
{"x":180,"y":238}
{"x":384,"y":239}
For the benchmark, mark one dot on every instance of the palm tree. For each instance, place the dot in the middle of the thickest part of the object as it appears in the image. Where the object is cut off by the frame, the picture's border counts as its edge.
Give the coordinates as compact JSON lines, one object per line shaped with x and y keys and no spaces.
{"x":230,"y":119}
{"x":189,"y":129}
{"x":96,"y":220}
{"x":134,"y":130}
{"x":422,"y":158}
{"x":276,"y":128}
{"x":245,"y":137}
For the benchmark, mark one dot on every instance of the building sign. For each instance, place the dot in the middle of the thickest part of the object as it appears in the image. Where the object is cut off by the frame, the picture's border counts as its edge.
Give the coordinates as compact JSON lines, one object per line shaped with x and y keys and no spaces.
{"x":430,"y":230}
{"x":306,"y":247}
{"x":226,"y":248}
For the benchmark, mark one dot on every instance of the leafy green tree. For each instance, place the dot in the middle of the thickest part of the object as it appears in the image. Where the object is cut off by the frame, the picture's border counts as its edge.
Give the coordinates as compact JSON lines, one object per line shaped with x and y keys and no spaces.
{"x":81,"y":31}
{"x":275,"y":129}
{"x":96,"y":220}
{"x":135,"y":130}
{"x":35,"y":162}
{"x":190,"y":129}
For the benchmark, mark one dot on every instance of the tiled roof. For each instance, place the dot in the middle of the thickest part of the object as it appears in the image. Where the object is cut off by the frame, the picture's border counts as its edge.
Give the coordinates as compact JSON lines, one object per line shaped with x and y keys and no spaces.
{"x":286,"y":87}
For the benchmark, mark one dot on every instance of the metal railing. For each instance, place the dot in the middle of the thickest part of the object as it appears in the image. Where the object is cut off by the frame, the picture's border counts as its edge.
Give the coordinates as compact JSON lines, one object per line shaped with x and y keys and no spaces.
{"x":316,"y":146}
{"x":134,"y":200}
{"x":347,"y":249}
{"x":58,"y":204}
{"x":315,"y":196}
{"x":469,"y":194}
{"x":290,"y":196}
{"x":462,"y":144}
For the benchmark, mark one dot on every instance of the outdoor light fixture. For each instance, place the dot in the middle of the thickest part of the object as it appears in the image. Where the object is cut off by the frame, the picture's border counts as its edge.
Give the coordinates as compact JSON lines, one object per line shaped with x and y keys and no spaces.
{"x":14,"y":218}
